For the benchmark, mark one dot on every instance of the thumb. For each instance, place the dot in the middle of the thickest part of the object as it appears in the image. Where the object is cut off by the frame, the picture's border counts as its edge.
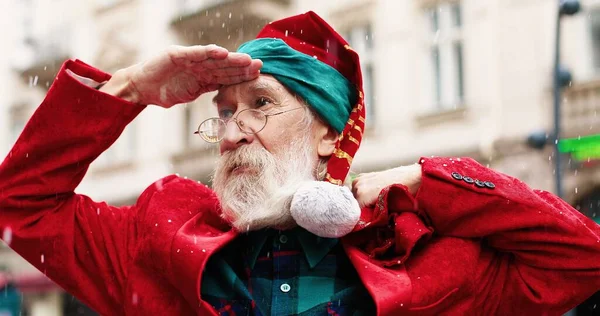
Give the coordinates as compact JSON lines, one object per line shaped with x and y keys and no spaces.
{"x":367,"y":198}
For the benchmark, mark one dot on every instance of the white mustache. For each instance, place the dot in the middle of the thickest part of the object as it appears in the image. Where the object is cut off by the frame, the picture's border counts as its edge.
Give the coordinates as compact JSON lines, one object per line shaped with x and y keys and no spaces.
{"x":254,"y":200}
{"x":253,"y":157}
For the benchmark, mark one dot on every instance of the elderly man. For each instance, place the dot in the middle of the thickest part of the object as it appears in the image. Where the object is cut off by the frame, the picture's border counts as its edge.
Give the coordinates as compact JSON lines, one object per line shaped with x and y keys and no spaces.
{"x":280,"y":234}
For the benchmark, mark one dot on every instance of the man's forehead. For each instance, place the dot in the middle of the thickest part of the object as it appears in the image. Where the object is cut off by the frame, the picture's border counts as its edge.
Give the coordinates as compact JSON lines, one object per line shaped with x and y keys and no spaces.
{"x":264,"y":83}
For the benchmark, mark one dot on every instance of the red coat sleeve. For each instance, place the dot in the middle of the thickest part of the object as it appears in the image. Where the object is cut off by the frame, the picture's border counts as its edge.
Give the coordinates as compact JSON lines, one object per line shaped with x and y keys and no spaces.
{"x":82,"y":245}
{"x":548,"y":254}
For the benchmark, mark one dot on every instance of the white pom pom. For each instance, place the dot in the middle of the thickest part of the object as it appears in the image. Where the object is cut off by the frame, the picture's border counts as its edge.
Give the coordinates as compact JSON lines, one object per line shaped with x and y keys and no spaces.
{"x":325,"y":209}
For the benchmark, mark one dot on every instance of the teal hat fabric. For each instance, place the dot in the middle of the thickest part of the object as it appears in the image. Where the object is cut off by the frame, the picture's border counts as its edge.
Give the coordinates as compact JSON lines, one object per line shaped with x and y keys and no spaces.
{"x":326,"y":90}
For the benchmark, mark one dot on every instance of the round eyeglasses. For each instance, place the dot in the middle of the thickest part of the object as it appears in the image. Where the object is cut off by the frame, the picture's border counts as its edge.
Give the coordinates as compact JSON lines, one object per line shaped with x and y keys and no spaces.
{"x":249,"y":121}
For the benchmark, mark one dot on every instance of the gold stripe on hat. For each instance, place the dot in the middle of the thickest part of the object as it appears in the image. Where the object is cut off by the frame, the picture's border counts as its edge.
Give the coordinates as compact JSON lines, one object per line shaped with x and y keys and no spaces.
{"x":354,"y":140}
{"x":342,"y":154}
{"x":360,"y":106}
{"x":362,"y":119}
{"x":360,"y":94}
{"x":356,"y":127}
{"x":347,"y":47}
{"x":332,"y":180}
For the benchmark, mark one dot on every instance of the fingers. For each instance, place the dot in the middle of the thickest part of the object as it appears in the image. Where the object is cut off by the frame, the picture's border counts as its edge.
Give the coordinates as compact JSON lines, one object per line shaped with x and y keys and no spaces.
{"x":229,"y":80}
{"x":366,"y":199}
{"x":234,"y":75}
{"x":231,"y":60}
{"x":355,"y":181}
{"x":253,"y":68}
{"x":233,"y":69}
{"x":197,"y":53}
{"x":359,"y":192}
{"x":366,"y":189}
{"x":209,"y":57}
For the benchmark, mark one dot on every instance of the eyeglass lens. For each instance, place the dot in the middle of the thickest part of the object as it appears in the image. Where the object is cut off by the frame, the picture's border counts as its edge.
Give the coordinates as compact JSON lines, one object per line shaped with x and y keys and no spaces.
{"x":249,"y":121}
{"x":212,"y":130}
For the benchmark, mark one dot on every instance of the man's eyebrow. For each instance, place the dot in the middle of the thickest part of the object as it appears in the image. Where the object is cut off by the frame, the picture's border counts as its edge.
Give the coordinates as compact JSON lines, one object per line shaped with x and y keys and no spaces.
{"x":255,"y":88}
{"x":262,"y":87}
{"x":217,"y":98}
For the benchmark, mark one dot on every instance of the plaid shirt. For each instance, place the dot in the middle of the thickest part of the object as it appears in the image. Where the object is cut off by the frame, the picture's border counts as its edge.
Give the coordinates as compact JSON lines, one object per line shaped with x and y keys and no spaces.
{"x":292,"y":272}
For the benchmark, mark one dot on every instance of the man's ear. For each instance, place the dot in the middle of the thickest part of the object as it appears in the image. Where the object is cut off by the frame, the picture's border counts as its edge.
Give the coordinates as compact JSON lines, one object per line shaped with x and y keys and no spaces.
{"x":327,"y":138}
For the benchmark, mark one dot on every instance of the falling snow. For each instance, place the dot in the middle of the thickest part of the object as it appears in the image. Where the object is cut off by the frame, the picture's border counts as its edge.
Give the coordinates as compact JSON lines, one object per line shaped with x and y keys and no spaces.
{"x":7,"y":235}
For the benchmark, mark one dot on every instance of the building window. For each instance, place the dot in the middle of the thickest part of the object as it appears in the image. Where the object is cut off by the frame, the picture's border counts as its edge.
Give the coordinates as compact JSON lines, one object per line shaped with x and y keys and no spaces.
{"x":195,"y":113}
{"x":360,"y":38}
{"x":122,"y":151}
{"x":595,"y":30}
{"x":445,"y":61}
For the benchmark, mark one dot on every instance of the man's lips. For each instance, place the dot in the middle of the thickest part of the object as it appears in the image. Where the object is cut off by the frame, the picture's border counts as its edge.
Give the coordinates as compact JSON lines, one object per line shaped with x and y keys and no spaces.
{"x":241,"y":169}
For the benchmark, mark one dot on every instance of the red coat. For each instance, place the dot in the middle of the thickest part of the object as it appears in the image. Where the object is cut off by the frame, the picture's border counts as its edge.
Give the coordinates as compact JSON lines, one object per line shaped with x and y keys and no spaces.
{"x":455,"y":249}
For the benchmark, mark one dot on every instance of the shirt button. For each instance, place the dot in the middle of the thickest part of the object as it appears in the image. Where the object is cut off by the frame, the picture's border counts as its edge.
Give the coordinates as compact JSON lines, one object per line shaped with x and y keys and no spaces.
{"x":283,"y":239}
{"x":285,"y":288}
{"x":489,"y":184}
{"x":457,"y":176}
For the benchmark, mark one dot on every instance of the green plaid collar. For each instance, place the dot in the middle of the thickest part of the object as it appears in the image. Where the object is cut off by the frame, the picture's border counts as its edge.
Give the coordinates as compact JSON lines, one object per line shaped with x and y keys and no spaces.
{"x":315,"y":248}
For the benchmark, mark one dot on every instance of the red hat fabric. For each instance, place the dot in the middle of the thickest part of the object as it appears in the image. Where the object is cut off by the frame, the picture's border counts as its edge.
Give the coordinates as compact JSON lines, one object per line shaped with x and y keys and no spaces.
{"x":310,"y":34}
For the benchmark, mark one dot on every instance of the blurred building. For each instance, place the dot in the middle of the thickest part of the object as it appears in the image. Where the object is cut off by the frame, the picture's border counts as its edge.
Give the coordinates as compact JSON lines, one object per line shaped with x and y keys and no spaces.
{"x":446,"y":78}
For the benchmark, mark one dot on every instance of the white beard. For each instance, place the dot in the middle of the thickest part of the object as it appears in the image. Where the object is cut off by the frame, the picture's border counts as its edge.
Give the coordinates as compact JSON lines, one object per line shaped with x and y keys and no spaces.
{"x":260,"y":195}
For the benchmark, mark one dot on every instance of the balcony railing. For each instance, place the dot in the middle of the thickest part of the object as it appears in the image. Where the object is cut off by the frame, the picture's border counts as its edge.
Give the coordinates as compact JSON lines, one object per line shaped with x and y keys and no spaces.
{"x":228,"y":23}
{"x":581,"y":109}
{"x":47,"y":52}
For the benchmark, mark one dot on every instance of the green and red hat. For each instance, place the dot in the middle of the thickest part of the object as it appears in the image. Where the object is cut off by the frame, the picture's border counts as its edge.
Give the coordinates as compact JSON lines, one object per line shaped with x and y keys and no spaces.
{"x":311,"y":59}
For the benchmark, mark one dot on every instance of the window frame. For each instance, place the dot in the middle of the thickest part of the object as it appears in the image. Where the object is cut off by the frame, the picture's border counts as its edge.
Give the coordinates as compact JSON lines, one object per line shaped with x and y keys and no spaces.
{"x":365,"y":48}
{"x":122,"y":152}
{"x":594,"y":30}
{"x":444,"y":61}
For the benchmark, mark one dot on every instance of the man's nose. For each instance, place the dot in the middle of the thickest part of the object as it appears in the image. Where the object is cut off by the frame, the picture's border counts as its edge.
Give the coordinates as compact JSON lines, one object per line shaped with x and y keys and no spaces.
{"x":234,"y":137}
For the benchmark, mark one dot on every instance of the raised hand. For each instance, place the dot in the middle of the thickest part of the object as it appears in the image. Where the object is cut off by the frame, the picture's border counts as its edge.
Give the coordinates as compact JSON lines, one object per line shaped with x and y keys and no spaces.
{"x":181,"y":74}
